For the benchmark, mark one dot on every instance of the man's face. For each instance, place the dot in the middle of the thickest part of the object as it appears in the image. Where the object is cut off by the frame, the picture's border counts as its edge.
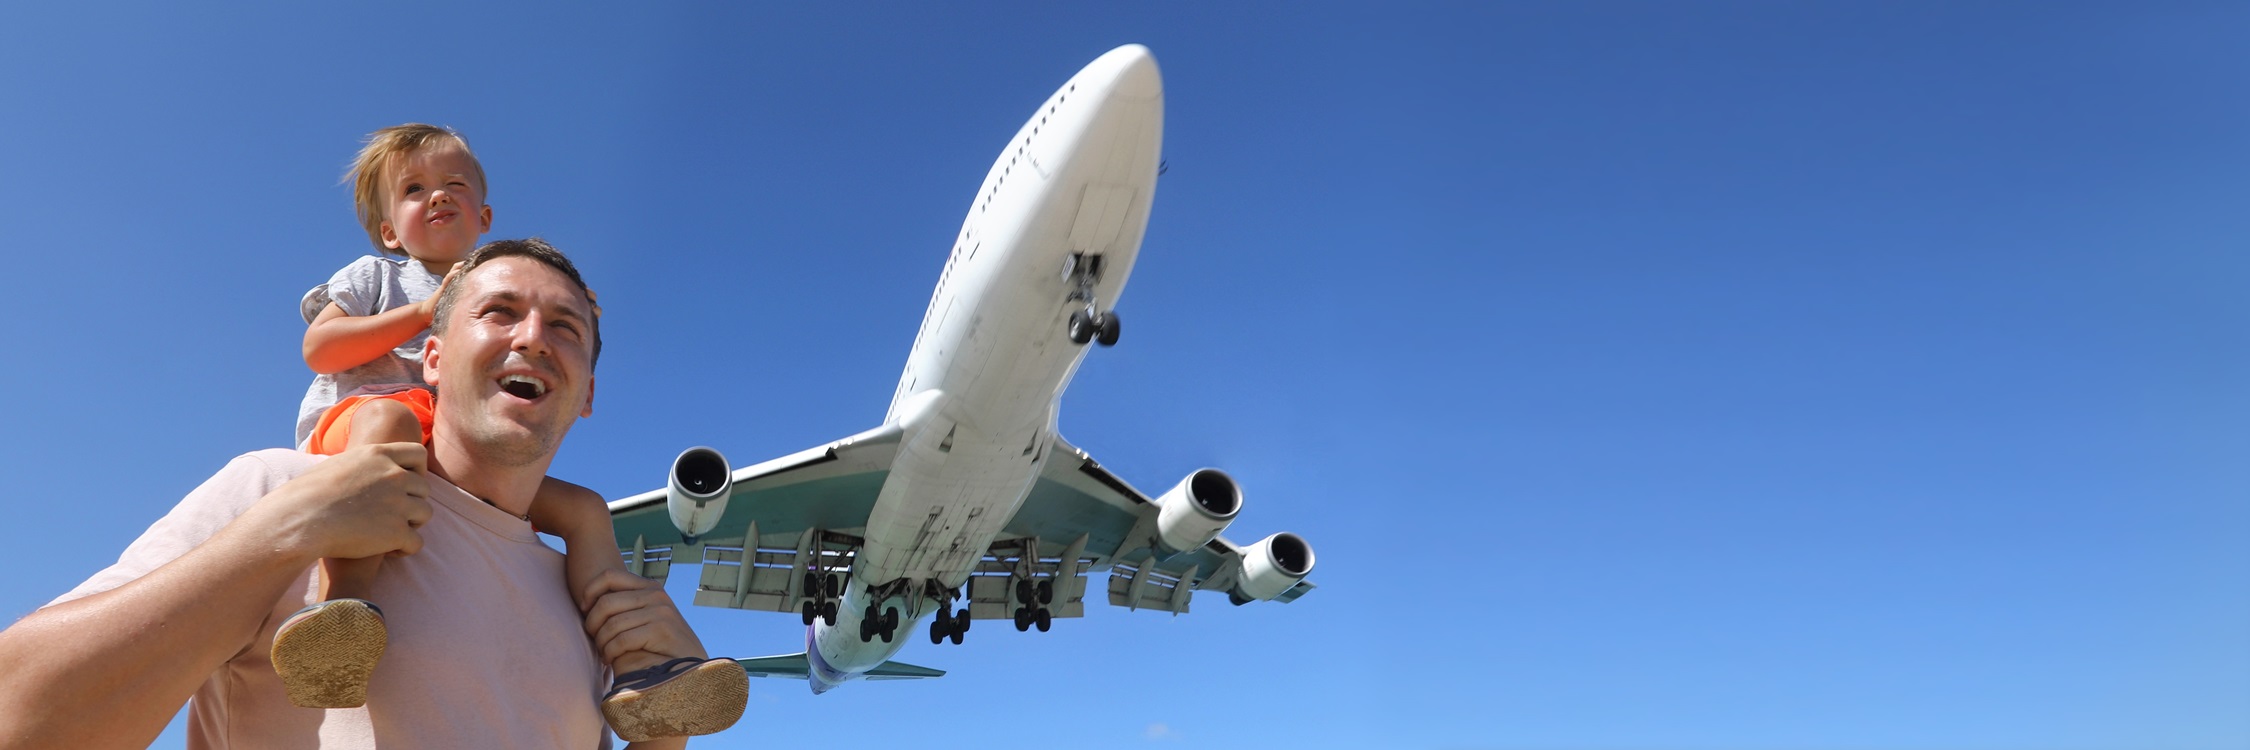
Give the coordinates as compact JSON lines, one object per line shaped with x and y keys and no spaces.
{"x":434,"y":211}
{"x":514,"y":368}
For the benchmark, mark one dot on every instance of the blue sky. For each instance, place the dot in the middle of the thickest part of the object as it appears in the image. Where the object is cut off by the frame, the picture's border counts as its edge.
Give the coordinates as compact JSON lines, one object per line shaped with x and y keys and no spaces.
{"x":1646,"y":375}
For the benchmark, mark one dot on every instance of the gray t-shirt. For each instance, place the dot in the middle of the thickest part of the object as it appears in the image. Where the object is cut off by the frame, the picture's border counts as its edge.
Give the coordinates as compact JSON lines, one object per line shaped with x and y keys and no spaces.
{"x":368,"y":286}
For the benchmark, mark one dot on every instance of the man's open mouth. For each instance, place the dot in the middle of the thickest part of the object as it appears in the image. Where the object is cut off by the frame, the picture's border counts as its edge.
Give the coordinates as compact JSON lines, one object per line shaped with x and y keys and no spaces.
{"x":523,"y":386}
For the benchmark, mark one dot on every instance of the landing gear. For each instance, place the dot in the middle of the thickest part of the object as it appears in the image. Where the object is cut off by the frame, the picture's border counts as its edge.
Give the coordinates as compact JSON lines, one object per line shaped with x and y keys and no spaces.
{"x":884,"y":624}
{"x":1034,"y":596}
{"x":1087,"y":323}
{"x":820,"y":597}
{"x":819,"y":610}
{"x":1091,"y":326}
{"x":1106,"y":329}
{"x":949,"y":625}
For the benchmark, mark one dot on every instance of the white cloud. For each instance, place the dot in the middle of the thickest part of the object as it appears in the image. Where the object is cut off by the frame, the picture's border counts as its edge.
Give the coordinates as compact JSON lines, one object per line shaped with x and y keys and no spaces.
{"x":1160,"y":732}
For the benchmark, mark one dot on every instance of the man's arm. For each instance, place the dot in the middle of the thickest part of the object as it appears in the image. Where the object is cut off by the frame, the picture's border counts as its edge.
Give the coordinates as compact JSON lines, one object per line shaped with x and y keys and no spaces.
{"x":110,"y":669}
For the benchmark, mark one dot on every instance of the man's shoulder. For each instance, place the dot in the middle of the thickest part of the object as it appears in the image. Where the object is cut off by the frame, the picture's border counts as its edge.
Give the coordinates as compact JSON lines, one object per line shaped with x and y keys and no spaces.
{"x":259,"y":471}
{"x":277,"y":460}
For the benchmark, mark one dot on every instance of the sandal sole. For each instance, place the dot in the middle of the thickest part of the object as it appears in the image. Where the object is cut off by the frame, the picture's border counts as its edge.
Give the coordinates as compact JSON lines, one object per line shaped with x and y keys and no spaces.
{"x":705,"y":699}
{"x":325,"y":657}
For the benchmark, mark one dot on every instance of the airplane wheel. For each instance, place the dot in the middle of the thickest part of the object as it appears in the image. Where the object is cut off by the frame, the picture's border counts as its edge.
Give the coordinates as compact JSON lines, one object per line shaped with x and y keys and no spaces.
{"x":1081,"y":328}
{"x":1024,"y":591}
{"x":828,"y":612}
{"x":1106,"y":329}
{"x":828,"y":585}
{"x":1046,"y":591}
{"x":890,"y":619}
{"x":937,"y":632}
{"x":885,"y":634}
{"x":956,"y":638}
{"x":1023,"y":619}
{"x":808,"y":608}
{"x":1042,"y":619}
{"x":961,"y":622}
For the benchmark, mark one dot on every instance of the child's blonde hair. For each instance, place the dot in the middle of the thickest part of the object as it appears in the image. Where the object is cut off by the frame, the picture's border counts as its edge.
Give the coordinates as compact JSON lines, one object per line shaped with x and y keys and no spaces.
{"x":374,"y":161}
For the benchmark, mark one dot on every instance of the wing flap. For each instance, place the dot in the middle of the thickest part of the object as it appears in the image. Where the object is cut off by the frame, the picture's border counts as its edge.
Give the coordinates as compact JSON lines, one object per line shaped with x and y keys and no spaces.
{"x":830,"y":489}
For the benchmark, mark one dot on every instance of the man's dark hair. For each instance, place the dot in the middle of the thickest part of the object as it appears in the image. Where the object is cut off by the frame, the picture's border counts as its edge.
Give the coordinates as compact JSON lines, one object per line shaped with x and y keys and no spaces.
{"x":533,"y":248}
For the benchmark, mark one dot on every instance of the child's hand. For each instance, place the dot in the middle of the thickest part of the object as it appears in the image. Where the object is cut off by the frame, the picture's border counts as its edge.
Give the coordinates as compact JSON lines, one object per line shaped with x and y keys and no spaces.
{"x":597,"y":303}
{"x":428,"y":307}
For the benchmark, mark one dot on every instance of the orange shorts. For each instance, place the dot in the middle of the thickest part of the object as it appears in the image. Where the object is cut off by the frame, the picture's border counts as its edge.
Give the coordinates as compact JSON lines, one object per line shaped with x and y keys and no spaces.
{"x":334,"y":433}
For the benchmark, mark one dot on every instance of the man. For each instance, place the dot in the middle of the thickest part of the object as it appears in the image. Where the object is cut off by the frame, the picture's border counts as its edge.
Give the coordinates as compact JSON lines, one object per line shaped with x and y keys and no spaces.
{"x":487,"y":648}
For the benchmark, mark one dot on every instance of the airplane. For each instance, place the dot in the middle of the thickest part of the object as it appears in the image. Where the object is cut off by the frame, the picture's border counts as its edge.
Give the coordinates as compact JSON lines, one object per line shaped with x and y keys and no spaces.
{"x":966,"y":494}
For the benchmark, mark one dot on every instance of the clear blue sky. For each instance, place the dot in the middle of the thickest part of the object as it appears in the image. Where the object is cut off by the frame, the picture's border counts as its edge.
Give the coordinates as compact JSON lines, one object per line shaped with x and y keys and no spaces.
{"x":1647,"y":375}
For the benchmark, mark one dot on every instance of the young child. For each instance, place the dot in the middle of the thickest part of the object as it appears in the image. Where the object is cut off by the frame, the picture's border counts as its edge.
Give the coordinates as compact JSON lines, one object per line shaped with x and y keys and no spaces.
{"x":420,"y":193}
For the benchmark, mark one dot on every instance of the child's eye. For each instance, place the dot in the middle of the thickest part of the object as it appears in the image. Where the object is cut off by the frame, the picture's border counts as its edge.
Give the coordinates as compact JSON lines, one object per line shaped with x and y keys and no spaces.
{"x":412,"y":188}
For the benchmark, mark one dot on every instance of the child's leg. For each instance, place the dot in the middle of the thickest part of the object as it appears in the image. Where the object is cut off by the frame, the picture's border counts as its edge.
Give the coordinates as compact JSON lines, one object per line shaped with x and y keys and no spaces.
{"x":377,"y":421}
{"x":690,"y":699}
{"x":581,"y":518}
{"x":325,"y":653}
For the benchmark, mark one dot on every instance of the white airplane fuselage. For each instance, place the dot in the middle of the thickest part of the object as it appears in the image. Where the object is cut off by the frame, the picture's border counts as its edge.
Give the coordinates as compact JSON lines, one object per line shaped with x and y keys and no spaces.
{"x":977,"y":402}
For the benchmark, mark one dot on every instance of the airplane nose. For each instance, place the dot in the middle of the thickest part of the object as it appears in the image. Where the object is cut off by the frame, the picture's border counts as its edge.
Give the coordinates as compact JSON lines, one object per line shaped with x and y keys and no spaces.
{"x":1136,"y":73}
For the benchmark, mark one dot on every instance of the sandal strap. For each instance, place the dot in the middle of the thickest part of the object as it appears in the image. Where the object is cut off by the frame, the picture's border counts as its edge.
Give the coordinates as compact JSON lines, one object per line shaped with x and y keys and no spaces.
{"x":652,"y":675}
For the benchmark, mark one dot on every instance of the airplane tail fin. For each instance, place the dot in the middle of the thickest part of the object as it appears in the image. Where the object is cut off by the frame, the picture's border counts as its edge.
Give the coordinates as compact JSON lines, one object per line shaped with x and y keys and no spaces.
{"x":799,"y":666}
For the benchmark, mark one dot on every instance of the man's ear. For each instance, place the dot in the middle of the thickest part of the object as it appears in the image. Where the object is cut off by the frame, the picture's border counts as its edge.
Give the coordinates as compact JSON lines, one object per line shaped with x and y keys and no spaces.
{"x":390,"y":236}
{"x":588,"y":410}
{"x":430,"y":361}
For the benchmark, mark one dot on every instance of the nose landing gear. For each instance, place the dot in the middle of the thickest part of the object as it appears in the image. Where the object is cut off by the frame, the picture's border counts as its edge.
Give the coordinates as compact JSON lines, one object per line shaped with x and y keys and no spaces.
{"x":1089,"y":323}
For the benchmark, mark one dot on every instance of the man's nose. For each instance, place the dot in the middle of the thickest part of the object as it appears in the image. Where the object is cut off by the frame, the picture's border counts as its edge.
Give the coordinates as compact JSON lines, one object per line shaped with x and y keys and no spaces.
{"x":531,"y":336}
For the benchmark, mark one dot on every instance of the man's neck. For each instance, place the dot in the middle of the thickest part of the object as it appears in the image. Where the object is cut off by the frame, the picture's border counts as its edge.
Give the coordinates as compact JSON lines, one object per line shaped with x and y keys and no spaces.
{"x":509,"y":488}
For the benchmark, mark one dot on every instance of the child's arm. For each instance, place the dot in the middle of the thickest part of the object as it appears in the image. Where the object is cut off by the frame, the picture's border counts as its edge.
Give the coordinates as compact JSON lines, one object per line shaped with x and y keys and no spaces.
{"x":338,"y":341}
{"x":581,"y":518}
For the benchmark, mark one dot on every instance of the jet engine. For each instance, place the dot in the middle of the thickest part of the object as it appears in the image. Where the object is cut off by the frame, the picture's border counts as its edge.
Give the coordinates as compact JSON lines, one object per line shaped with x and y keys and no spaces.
{"x":1196,"y":510}
{"x":1273,"y":565}
{"x":697,"y":494}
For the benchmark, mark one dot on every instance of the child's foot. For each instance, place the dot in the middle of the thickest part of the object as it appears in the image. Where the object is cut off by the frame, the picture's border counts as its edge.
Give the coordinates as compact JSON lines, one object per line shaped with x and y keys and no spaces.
{"x":325,"y":652}
{"x":683,"y":697}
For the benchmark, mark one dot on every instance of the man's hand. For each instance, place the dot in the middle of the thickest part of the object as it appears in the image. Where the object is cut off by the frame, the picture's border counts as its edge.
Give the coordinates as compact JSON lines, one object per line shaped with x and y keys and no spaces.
{"x":367,"y":501}
{"x":631,"y":613}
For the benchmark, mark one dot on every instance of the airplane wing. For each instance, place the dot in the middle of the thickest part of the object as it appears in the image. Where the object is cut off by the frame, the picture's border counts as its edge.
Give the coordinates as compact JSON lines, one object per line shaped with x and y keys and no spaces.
{"x":1081,"y":517}
{"x":800,"y":512}
{"x":808,"y":510}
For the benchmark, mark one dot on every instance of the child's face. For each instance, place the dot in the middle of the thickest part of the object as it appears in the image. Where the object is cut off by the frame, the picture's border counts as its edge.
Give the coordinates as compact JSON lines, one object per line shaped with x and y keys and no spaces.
{"x":435,"y":211}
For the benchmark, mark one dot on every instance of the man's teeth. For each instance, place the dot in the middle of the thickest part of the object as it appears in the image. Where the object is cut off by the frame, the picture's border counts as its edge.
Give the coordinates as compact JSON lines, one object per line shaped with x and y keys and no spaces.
{"x":537,"y":388}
